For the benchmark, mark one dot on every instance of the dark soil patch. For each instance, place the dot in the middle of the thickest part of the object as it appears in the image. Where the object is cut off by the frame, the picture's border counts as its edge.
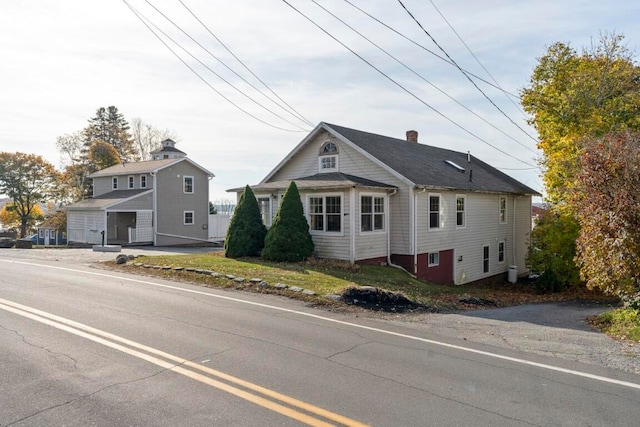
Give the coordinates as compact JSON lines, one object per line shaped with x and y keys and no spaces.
{"x":380,"y":300}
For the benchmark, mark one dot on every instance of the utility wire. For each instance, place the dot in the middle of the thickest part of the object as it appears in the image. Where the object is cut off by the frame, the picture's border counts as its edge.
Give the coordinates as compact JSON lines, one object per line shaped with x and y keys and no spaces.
{"x":405,"y":89}
{"x":140,"y":17}
{"x":221,"y":62}
{"x":410,"y":40}
{"x":463,"y":72}
{"x":423,"y":78}
{"x":474,"y":55}
{"x":299,"y":115}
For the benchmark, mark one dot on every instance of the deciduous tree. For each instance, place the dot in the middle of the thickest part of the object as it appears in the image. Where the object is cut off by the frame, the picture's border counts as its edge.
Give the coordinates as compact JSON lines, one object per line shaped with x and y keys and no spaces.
{"x":10,"y":218}
{"x":70,"y":147}
{"x":572,"y":96}
{"x":28,"y":180}
{"x":147,"y":137}
{"x":607,"y":204}
{"x":552,"y":251}
{"x":102,"y":155}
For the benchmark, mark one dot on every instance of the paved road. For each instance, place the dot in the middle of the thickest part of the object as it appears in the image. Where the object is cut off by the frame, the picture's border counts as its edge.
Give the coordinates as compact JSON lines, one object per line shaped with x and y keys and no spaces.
{"x":148,"y":352}
{"x":551,"y":329}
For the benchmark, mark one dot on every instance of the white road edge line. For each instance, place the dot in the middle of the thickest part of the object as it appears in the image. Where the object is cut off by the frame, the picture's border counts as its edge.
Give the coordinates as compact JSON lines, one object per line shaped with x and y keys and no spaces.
{"x":353,"y":325}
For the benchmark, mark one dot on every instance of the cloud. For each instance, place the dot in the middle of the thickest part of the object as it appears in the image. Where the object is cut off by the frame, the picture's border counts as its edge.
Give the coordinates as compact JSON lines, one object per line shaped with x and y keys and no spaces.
{"x":63,"y":60}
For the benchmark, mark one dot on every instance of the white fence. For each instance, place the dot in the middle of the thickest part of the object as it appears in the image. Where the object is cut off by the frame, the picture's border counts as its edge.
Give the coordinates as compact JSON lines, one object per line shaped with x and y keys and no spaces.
{"x":218,"y":226}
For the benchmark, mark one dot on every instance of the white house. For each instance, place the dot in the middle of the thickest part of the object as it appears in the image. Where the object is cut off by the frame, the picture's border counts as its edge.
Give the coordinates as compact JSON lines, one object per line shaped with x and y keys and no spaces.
{"x":442,"y":215}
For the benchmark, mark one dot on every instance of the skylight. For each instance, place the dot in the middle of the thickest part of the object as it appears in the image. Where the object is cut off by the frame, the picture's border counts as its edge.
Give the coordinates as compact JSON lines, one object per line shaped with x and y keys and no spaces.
{"x":455,"y":165}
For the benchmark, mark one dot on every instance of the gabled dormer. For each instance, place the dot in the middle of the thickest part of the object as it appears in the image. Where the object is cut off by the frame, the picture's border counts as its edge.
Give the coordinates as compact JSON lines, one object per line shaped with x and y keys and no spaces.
{"x":168,"y":151}
{"x":328,"y":158}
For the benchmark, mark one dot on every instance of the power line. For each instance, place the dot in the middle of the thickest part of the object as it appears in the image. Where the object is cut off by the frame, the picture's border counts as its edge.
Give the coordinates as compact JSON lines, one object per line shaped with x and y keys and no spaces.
{"x":140,"y":17}
{"x":405,"y":89}
{"x":299,"y":115}
{"x":474,"y":55}
{"x":423,"y":78}
{"x":410,"y":40}
{"x":463,"y":72}
{"x":221,"y":62}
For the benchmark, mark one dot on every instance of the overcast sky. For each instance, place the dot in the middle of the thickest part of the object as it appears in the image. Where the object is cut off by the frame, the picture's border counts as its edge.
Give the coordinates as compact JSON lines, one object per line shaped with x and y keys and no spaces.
{"x":60,"y":61}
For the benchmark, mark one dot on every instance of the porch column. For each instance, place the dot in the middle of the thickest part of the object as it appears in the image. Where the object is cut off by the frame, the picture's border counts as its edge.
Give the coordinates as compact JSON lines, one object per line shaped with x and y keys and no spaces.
{"x":352,"y":224}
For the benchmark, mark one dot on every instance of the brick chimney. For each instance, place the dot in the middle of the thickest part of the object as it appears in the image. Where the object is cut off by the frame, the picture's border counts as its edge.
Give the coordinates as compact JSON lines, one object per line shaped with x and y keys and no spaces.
{"x":412,"y":135}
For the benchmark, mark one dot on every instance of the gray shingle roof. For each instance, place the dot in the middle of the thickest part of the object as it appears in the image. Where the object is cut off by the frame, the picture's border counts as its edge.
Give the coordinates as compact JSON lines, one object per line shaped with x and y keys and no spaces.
{"x":147,"y":166}
{"x":427,"y":166}
{"x":167,"y":150}
{"x":134,"y":168}
{"x":324,"y":181}
{"x":107,"y":199}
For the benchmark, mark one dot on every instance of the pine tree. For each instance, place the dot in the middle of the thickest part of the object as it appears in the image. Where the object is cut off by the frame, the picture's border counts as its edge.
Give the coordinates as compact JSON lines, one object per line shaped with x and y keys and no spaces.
{"x":245,"y":236}
{"x":110,"y":126}
{"x":288,"y":239}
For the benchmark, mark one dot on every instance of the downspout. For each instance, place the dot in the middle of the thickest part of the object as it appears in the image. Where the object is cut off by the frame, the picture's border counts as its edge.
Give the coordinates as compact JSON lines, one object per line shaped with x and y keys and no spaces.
{"x":415,"y":231}
{"x":412,"y":223}
{"x":154,"y":219}
{"x":388,"y":228}
{"x":352,"y":225}
{"x":513,"y":233}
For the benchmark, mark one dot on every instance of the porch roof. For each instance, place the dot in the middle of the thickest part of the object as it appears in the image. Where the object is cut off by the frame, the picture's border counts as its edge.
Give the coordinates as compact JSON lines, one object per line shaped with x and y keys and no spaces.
{"x":108,"y":199}
{"x":321,"y":181}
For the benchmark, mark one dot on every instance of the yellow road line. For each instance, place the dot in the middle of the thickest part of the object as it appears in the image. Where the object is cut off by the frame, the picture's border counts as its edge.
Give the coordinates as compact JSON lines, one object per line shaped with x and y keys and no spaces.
{"x":95,"y":335}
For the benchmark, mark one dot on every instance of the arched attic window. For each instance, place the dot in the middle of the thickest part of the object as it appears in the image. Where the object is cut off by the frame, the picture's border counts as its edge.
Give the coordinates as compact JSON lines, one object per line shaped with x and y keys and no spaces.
{"x":328,"y":158}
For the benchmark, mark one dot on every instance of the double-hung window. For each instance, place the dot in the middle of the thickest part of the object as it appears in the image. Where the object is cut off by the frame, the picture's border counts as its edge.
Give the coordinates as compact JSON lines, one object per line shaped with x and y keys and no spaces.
{"x":461,"y":219}
{"x":325,"y":214}
{"x":188,"y":217}
{"x":503,"y":210}
{"x":143,"y":181}
{"x":264,"y":203}
{"x":485,"y":259}
{"x":501,"y":251}
{"x":187,"y":182}
{"x":434,"y":211}
{"x":114,"y":183}
{"x":130,"y":182}
{"x":371,"y":213}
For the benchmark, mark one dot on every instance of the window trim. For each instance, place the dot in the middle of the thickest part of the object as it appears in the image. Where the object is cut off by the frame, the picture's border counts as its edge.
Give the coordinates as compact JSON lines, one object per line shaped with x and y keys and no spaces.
{"x":184,"y":218}
{"x":373,"y":213}
{"x":463,"y":211}
{"x":143,"y":178}
{"x":336,"y":166}
{"x":131,"y":182}
{"x":114,"y":183}
{"x":324,"y":196}
{"x":184,"y":184}
{"x":502,"y":213}
{"x":429,"y":196}
{"x":502,"y":253}
{"x":436,"y":261}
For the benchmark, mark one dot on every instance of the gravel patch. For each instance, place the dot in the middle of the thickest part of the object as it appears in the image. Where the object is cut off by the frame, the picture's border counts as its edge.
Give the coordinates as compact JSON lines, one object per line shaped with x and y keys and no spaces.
{"x":555,"y":329}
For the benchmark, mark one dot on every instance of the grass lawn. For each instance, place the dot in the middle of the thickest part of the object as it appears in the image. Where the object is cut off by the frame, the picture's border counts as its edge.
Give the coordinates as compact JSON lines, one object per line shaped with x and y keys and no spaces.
{"x":622,"y":323}
{"x":333,"y":277}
